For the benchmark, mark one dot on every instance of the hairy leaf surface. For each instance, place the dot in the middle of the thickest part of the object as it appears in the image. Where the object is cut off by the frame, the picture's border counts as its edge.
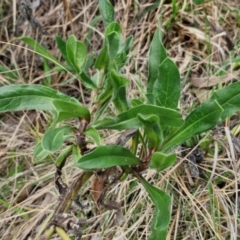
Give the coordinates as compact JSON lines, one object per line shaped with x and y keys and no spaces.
{"x":107,"y":11}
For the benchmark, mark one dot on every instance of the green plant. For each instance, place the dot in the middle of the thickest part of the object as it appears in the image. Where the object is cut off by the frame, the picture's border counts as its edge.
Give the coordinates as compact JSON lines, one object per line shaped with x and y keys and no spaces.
{"x":155,"y":126}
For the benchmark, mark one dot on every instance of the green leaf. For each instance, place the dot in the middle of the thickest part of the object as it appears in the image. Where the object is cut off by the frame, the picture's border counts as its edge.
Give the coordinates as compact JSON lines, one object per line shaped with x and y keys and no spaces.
{"x":107,"y":156}
{"x":162,"y":202}
{"x":39,"y":152}
{"x":62,"y":47}
{"x":113,"y":41}
{"x":229,"y":99}
{"x":107,"y":11}
{"x":113,"y":44}
{"x":40,"y":50}
{"x":66,"y":110}
{"x":38,"y":97}
{"x":113,"y":37}
{"x":113,"y":27}
{"x":94,"y":134}
{"x":160,"y":160}
{"x":76,"y":52}
{"x":130,"y":120}
{"x":89,"y":62}
{"x":53,"y":138}
{"x":136,"y":102}
{"x":76,"y":154}
{"x":87,"y":81}
{"x":152,"y":129}
{"x":102,"y":59}
{"x":166,"y":89}
{"x":224,"y":103}
{"x":156,"y":57}
{"x":157,"y":234}
{"x":119,"y":91}
{"x":65,"y":67}
{"x":199,"y":1}
{"x":150,"y":99}
{"x":63,"y":155}
{"x":203,"y":118}
{"x":20,"y":97}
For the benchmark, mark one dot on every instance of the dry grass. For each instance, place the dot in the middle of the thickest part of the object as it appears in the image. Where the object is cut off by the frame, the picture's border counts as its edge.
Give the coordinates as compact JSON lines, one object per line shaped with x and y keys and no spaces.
{"x":204,"y":41}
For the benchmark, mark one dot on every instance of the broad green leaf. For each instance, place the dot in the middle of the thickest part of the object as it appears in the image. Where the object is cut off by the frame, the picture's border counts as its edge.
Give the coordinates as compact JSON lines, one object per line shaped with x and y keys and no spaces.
{"x":166,"y":88}
{"x":113,"y":37}
{"x":152,"y":129}
{"x":150,"y":98}
{"x":162,"y":202}
{"x":96,"y":78}
{"x":76,"y":52}
{"x":160,"y":160}
{"x":66,"y":110}
{"x":87,"y":81}
{"x":119,"y":91}
{"x":88,"y":64}
{"x":224,"y":103}
{"x":229,"y":99}
{"x":102,"y":59}
{"x":40,"y":50}
{"x":113,"y":27}
{"x":63,"y":155}
{"x":156,"y":57}
{"x":117,"y":51}
{"x":136,"y":102}
{"x":39,"y":152}
{"x":156,"y":233}
{"x":113,"y":44}
{"x":107,"y":156}
{"x":130,"y":120}
{"x":203,"y":118}
{"x":20,"y":97}
{"x":107,"y":11}
{"x":94,"y":134}
{"x":38,"y":97}
{"x":53,"y":138}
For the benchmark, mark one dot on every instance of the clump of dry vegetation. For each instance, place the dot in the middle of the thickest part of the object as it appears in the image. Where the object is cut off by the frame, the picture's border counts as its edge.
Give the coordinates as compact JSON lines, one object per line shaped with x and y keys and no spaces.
{"x":203,"y":40}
